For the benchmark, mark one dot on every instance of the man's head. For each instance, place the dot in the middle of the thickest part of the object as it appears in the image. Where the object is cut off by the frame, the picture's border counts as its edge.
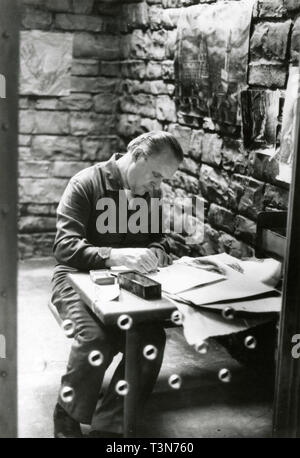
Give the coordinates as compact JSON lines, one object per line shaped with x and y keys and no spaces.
{"x":154,"y":156}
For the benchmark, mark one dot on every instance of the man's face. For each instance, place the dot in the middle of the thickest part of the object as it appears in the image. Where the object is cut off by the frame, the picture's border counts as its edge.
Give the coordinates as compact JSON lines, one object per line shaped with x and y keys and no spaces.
{"x":147,"y":172}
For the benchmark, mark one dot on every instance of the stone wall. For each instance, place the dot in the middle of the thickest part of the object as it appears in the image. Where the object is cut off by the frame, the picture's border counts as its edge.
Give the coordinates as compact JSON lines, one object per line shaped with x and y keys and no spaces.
{"x":123,"y":85}
{"x":235,"y":182}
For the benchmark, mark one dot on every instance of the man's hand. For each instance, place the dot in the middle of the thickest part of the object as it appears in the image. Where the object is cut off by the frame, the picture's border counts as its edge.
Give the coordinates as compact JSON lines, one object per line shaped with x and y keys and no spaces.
{"x":141,"y":259}
{"x":163,"y":258}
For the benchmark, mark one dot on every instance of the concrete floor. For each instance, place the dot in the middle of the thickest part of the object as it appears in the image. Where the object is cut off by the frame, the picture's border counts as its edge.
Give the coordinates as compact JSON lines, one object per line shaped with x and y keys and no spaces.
{"x":203,"y":407}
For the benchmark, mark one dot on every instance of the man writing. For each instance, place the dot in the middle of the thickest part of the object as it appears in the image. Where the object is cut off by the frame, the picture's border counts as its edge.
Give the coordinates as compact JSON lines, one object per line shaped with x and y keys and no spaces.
{"x":79,"y":245}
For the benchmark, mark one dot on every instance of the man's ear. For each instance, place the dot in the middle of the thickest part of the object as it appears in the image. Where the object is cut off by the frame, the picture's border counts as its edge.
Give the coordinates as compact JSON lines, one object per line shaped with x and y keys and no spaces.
{"x":138,"y":153}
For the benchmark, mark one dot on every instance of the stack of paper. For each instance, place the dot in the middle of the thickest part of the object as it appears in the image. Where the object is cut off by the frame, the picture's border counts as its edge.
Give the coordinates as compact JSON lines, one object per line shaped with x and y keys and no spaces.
{"x":242,"y":290}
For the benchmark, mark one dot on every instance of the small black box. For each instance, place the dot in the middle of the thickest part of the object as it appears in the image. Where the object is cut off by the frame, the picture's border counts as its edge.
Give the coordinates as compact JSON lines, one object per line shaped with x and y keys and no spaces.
{"x":140,"y":285}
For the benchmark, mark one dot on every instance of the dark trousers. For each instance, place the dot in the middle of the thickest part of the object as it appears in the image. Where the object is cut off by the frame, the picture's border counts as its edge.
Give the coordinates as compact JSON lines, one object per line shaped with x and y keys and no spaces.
{"x":85,"y":379}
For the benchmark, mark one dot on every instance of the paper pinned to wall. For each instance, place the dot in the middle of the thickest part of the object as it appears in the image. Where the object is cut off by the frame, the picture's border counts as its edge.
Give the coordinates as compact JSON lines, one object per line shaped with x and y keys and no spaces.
{"x":288,"y":129}
{"x":45,"y":63}
{"x":211,"y":62}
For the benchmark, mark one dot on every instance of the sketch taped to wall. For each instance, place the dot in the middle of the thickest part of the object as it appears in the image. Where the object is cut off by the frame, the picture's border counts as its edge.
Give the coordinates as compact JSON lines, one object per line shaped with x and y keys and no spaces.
{"x":287,"y":141}
{"x":46,"y":60}
{"x":211,"y":62}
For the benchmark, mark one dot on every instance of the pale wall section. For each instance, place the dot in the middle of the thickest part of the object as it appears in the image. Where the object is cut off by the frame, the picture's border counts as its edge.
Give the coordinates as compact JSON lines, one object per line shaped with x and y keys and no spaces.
{"x":69,"y":78}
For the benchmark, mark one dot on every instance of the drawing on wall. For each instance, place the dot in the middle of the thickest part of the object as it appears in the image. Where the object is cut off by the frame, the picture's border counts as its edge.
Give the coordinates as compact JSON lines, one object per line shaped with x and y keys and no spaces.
{"x":211,"y":62}
{"x":284,"y":155}
{"x":260,"y":118}
{"x":46,"y":60}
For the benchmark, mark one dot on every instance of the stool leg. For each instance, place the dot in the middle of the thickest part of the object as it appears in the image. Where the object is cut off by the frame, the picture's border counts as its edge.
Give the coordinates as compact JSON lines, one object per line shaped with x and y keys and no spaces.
{"x":132,"y":376}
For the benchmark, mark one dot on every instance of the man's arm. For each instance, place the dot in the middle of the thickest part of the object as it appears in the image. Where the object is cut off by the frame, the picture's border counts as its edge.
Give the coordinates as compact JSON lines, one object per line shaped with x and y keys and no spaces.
{"x":71,"y":246}
{"x":159,"y":244}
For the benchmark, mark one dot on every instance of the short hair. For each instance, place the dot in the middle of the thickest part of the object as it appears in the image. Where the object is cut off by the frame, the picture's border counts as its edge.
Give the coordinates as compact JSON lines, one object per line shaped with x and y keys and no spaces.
{"x":155,"y":141}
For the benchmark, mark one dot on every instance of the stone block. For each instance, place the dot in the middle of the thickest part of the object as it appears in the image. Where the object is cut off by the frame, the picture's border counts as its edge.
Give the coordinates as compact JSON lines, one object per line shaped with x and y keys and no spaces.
{"x":31,"y":224}
{"x":82,"y":7}
{"x":73,"y":102}
{"x":276,"y":197}
{"x":77,"y":22}
{"x":57,"y":6}
{"x":166,"y":109}
{"x":211,"y":149}
{"x":105,"y":103}
{"x":33,"y":18}
{"x":269,"y":9}
{"x":195,"y":148}
{"x":85,"y":67}
{"x":221,"y":218}
{"x":62,"y":169}
{"x":251,"y":202}
{"x":50,"y":147}
{"x":295,"y":42}
{"x":104,"y":47}
{"x":245,"y":229}
{"x":24,"y":140}
{"x":141,"y":104}
{"x":94,"y":84}
{"x":43,"y":122}
{"x":170,"y":17}
{"x":107,"y":68}
{"x":185,"y":181}
{"x":134,"y":69}
{"x":262,"y":166}
{"x":91,"y":124}
{"x":134,"y":16}
{"x":234,"y":247}
{"x":36,"y":245}
{"x":214,"y":185}
{"x":267,"y":75}
{"x":34,"y":169}
{"x":99,"y":148}
{"x":41,"y":190}
{"x":234,"y":156}
{"x":190,"y":166}
{"x":182,"y":134}
{"x":269,"y":40}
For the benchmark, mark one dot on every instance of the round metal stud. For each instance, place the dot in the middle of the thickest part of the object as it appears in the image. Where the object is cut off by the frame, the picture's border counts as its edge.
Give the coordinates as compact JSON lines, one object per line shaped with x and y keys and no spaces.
{"x":176,"y":317}
{"x":228,"y":313}
{"x":125,"y":322}
{"x":175,"y":381}
{"x":201,"y":347}
{"x":95,"y":358}
{"x":122,"y":388}
{"x":69,"y":328}
{"x":150,"y":352}
{"x":250,"y":342}
{"x":224,"y":375}
{"x":67,"y":394}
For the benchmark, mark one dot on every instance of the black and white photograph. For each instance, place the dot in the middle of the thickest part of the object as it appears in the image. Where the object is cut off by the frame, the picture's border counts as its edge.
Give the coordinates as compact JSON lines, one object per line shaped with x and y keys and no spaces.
{"x":149,"y":247}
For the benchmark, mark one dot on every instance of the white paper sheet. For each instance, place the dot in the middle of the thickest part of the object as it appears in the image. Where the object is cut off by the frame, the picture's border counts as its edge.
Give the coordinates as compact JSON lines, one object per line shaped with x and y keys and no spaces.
{"x":237,"y":286}
{"x":199,"y":325}
{"x":178,"y":277}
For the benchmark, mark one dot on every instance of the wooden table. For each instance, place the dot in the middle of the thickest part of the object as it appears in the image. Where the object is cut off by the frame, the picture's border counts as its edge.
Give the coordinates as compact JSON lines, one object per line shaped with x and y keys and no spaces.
{"x":140,"y":311}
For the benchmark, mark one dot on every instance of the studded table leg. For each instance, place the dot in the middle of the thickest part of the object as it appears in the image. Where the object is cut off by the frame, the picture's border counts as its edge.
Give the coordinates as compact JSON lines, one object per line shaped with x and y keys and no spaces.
{"x":132,"y":377}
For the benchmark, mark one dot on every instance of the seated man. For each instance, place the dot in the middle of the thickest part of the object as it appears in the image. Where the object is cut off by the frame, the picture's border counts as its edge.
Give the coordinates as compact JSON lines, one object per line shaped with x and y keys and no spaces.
{"x":81,"y":244}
